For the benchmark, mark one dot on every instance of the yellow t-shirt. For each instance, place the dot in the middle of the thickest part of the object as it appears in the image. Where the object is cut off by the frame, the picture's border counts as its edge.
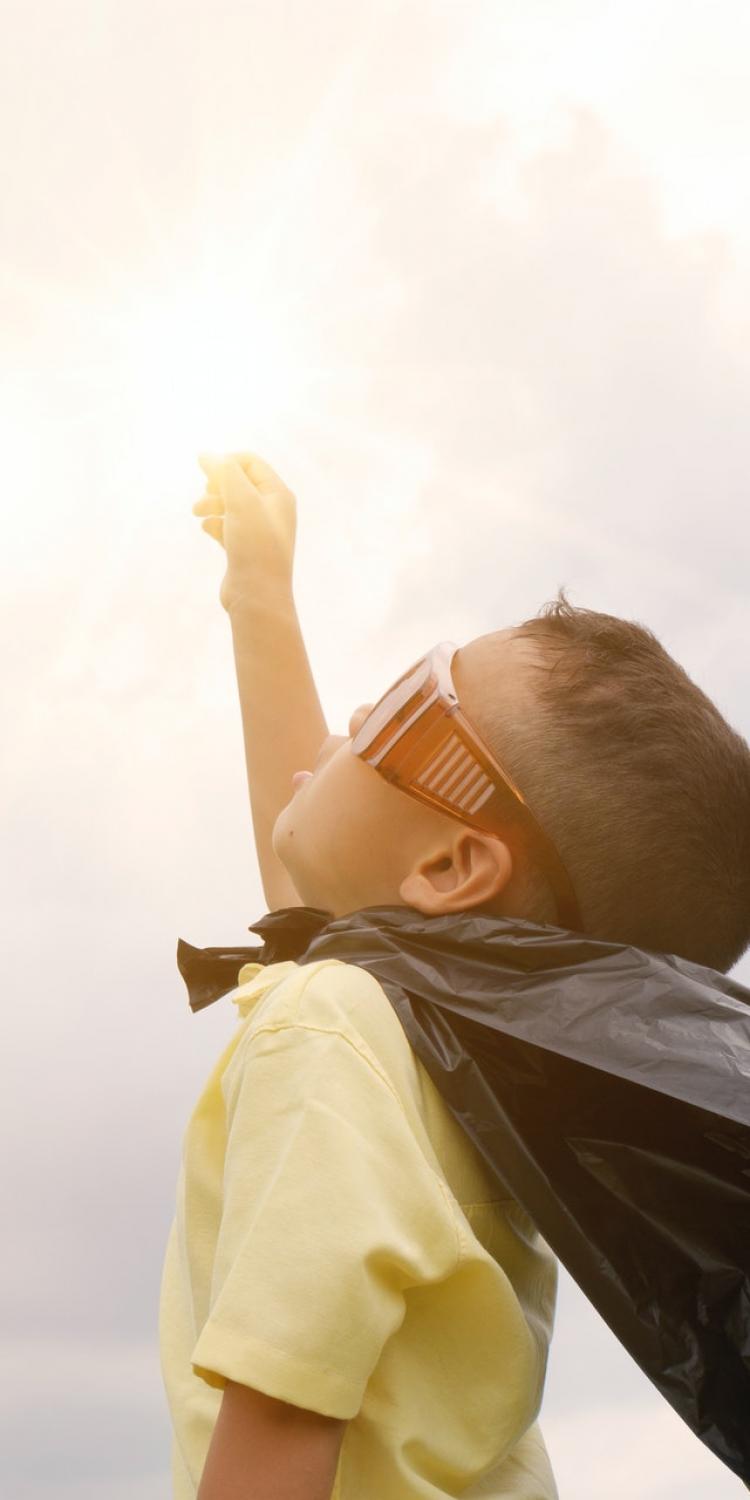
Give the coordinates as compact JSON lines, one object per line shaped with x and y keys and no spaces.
{"x":339,"y":1243}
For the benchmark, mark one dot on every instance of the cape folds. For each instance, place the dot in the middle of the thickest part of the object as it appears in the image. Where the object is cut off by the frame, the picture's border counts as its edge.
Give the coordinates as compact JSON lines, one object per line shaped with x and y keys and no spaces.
{"x":607,"y":1088}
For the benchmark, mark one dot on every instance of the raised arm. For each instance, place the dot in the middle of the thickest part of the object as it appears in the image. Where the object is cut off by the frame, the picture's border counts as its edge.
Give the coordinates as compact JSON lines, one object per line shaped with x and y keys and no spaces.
{"x":250,"y":511}
{"x":282,"y":723}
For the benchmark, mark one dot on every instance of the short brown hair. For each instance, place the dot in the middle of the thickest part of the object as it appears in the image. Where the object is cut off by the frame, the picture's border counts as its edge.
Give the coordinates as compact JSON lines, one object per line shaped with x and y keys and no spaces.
{"x":641,"y":783}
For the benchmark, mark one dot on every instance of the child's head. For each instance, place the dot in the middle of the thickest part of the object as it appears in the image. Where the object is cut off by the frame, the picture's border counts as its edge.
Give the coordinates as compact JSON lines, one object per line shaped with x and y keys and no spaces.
{"x":631,"y":770}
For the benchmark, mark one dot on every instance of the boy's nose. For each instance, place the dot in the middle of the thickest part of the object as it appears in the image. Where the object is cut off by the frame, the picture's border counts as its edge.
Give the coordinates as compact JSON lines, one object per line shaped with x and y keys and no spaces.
{"x":331,"y":744}
{"x":358,"y":718}
{"x":328,"y":750}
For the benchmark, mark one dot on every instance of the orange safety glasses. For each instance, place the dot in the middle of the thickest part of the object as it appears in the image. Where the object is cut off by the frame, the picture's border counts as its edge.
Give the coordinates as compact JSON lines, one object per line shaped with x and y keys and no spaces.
{"x":417,"y":737}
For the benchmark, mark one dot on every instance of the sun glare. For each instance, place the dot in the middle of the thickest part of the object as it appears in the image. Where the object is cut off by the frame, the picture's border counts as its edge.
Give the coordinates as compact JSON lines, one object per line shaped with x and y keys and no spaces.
{"x":201,"y":366}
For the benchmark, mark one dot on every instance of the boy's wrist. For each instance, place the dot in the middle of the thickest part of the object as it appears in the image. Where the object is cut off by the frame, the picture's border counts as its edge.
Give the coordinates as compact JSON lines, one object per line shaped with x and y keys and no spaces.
{"x":261,"y":606}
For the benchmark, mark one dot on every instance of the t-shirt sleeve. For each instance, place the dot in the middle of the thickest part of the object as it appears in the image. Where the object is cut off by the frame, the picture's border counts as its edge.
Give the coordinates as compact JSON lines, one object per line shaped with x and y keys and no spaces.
{"x":330,"y":1213}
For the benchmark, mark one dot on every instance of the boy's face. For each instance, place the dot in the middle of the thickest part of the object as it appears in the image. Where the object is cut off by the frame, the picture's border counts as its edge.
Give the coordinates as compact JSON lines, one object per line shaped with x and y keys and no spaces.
{"x":351,"y":839}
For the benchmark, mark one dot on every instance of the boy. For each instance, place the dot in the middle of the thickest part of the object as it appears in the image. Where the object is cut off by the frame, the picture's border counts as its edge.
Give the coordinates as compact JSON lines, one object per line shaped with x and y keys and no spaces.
{"x":347,"y":1306}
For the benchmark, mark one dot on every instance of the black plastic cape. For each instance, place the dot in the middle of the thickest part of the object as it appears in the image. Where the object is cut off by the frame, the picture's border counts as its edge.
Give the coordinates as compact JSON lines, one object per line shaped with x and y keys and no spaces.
{"x":607,"y":1088}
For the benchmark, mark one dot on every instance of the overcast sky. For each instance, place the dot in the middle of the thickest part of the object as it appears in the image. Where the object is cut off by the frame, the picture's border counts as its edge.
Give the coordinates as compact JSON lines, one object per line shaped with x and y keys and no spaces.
{"x":475,"y":279}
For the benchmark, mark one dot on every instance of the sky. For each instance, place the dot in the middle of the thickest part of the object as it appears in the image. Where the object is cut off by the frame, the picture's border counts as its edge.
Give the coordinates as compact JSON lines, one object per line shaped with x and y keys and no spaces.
{"x":475,"y":279}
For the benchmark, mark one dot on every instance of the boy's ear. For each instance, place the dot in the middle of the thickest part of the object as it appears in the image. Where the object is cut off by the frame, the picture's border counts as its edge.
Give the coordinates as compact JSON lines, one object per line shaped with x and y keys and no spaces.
{"x":471,"y":871}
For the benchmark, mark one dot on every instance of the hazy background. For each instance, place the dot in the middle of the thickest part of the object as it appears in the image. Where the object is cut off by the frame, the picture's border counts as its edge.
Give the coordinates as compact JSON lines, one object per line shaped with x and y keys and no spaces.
{"x":475,"y":279}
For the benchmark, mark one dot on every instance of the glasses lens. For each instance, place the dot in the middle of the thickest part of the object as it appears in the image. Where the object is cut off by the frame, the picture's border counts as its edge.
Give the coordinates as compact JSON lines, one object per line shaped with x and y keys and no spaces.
{"x":396,"y":704}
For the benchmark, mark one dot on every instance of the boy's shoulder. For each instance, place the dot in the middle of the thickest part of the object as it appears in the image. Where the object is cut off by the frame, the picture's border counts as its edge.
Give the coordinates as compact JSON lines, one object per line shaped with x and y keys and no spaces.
{"x":332,"y":996}
{"x":327,"y":995}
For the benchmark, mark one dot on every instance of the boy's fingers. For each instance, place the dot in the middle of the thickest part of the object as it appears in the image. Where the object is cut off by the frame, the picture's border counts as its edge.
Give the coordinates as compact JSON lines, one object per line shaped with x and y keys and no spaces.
{"x":261,"y":473}
{"x":208,"y":504}
{"x":254,"y":469}
{"x":257,"y":465}
{"x":211,"y":461}
{"x":214,"y":525}
{"x":234,"y":483}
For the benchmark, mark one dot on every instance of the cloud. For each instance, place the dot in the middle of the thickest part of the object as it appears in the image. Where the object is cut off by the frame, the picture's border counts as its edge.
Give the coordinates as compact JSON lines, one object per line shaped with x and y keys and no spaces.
{"x":581,"y":381}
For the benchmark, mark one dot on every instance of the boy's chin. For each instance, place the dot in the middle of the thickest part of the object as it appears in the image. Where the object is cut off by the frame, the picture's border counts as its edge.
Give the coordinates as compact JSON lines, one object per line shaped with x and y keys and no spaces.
{"x":278,"y":832}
